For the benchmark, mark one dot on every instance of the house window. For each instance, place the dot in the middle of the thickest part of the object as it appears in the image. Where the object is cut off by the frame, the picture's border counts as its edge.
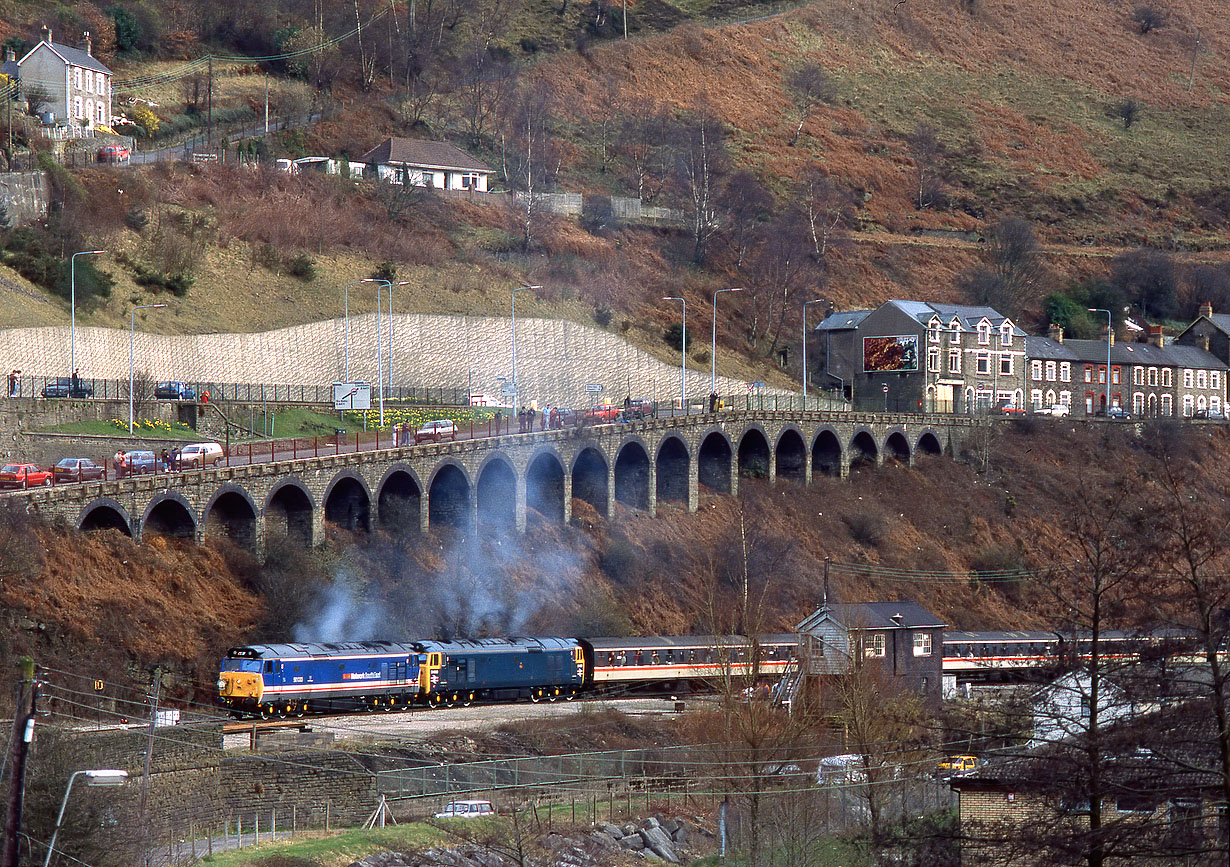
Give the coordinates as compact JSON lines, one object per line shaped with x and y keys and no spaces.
{"x":1167,"y":377}
{"x":933,"y":359}
{"x":89,"y":110}
{"x":875,"y":646}
{"x":1102,"y":374}
{"x":1215,"y":404}
{"x":1065,"y":372}
{"x":1187,"y":377}
{"x":469,"y":182}
{"x":1138,"y":402}
{"x":77,"y":107}
{"x":1138,"y":376}
{"x":922,"y":643}
{"x":1185,"y":822}
{"x":984,"y":363}
{"x":1005,"y":334}
{"x":1086,"y":707}
{"x":1035,"y":398}
{"x":1202,"y":379}
{"x":102,"y":116}
{"x":1214,"y":379}
{"x":89,"y":81}
{"x":954,"y":361}
{"x":922,"y":686}
{"x":1088,"y":373}
{"x":933,"y":331}
{"x":1050,"y":371}
{"x":954,"y":332}
{"x":1135,"y":803}
{"x":1065,"y":397}
{"x":1035,"y":370}
{"x":1167,"y":405}
{"x":1005,"y":365}
{"x":1187,"y":406}
{"x":984,"y":333}
{"x":77,"y":77}
{"x":1114,"y":375}
{"x":102,"y":84}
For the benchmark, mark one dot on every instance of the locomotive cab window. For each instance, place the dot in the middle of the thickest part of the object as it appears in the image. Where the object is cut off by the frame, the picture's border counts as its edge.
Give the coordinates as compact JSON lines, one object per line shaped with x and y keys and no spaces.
{"x":268,"y":666}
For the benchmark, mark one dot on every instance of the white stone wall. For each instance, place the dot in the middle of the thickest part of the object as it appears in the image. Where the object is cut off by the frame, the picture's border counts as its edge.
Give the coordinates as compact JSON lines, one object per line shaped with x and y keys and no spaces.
{"x":556,"y":359}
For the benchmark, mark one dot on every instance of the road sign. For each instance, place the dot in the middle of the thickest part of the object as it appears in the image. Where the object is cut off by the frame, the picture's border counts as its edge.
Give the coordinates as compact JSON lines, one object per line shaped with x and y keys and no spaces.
{"x":507,"y":388}
{"x":352,"y":395}
{"x":593,"y":387}
{"x":884,"y":388}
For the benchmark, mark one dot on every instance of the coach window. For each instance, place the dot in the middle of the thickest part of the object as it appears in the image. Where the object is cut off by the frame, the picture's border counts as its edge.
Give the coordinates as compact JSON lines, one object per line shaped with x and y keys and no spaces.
{"x":922,"y":644}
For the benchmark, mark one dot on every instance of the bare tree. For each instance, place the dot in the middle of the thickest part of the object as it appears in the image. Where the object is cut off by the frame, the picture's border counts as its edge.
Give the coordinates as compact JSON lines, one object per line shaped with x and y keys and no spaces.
{"x":928,"y":153}
{"x":810,"y":86}
{"x":37,"y":95}
{"x":641,"y":147}
{"x":828,"y":206}
{"x":1149,"y":18}
{"x":142,"y":392}
{"x":780,"y":267}
{"x":701,"y":162}
{"x":533,"y":152}
{"x":1012,"y":271}
{"x":1128,"y":111}
{"x":481,"y":82}
{"x":746,"y":205}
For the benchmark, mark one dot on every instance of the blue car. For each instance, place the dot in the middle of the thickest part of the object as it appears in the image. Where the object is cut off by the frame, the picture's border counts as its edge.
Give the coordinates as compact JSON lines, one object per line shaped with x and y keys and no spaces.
{"x":174,"y":391}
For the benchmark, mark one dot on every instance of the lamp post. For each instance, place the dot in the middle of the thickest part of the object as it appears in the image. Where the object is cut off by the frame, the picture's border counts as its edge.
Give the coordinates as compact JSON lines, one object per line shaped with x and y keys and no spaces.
{"x":132,"y":325}
{"x":683,"y":355}
{"x":1109,"y":327}
{"x":346,"y":315}
{"x":513,"y":298}
{"x":92,"y":778}
{"x":72,"y":305}
{"x":713,"y":343}
{"x":805,"y":303}
{"x":391,"y":284}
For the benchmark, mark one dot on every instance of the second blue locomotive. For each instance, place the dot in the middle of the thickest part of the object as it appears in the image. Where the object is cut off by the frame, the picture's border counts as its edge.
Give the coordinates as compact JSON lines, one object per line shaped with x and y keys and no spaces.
{"x":294,"y":679}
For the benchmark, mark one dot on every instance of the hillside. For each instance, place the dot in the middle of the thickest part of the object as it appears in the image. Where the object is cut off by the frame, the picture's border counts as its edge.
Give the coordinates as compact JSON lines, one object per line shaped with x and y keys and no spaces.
{"x":100,"y":606}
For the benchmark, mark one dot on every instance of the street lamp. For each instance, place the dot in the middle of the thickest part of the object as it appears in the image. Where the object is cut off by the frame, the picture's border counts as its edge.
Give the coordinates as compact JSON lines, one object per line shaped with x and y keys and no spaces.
{"x":72,"y":304}
{"x":391,"y":284}
{"x":92,"y":778}
{"x":513,"y":298}
{"x":1109,"y":326}
{"x":346,"y":314}
{"x":132,"y":324}
{"x":805,"y":303}
{"x":683,"y":355}
{"x":713,"y":345}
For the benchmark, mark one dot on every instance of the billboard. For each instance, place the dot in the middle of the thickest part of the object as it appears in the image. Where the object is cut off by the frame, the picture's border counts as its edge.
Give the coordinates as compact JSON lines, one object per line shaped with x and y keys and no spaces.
{"x":897,"y":354}
{"x":352,"y":395}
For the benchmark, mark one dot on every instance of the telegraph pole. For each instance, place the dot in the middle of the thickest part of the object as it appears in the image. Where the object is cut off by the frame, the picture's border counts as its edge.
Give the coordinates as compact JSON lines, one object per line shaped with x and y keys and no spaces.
{"x":23,"y":734}
{"x":209,"y":122}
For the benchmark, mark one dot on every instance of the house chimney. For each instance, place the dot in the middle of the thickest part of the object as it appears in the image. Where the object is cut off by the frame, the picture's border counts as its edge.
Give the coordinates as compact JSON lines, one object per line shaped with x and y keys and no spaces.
{"x":87,"y":44}
{"x":1155,"y":335}
{"x":1206,"y":309}
{"x":1055,"y":332}
{"x":46,"y":34}
{"x":10,"y":55}
{"x":1110,"y":335}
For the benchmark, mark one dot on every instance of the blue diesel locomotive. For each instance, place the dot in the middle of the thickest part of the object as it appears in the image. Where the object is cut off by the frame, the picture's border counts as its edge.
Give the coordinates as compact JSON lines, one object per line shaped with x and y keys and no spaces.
{"x":265,"y":680}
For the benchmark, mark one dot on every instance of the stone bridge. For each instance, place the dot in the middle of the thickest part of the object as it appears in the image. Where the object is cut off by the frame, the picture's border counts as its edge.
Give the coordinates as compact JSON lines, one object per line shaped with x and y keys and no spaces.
{"x":490,"y":484}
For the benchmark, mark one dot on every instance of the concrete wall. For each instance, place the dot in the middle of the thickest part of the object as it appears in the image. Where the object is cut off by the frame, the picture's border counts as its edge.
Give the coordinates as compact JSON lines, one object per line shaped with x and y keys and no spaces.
{"x":556,"y":359}
{"x":24,"y":196}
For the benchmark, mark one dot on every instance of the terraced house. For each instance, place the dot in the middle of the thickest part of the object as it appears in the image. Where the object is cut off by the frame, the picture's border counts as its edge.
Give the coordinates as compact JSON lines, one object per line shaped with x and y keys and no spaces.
{"x":914,"y":356}
{"x":77,"y":86}
{"x":1151,"y":379}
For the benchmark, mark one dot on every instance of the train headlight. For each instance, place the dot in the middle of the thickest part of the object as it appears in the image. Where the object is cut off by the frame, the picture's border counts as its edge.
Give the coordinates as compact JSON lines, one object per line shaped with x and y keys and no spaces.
{"x":221,"y":684}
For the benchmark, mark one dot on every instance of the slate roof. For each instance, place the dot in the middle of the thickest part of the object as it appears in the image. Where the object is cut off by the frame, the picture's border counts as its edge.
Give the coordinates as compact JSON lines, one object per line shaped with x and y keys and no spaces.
{"x":423,"y":154}
{"x":1171,"y":355}
{"x":843,"y":321}
{"x":1048,"y":349}
{"x":874,"y":615}
{"x":74,"y":56}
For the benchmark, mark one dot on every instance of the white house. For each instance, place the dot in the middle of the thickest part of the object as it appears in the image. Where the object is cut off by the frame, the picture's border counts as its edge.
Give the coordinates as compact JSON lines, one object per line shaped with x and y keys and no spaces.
{"x":77,"y":85}
{"x":427,"y":164}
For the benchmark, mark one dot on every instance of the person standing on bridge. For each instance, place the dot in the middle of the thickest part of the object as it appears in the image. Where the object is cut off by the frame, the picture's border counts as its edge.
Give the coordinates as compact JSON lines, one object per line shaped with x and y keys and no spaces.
{"x":166,"y":461}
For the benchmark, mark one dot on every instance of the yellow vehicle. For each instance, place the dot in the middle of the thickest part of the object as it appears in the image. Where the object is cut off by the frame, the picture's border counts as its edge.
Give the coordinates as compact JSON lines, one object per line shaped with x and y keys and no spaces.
{"x":958,"y":765}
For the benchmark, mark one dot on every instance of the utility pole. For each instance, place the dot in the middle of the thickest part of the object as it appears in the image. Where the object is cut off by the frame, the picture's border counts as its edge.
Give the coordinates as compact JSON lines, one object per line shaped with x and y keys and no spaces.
{"x":209,"y":121}
{"x":266,"y":103}
{"x":23,"y":734}
{"x":152,"y":695}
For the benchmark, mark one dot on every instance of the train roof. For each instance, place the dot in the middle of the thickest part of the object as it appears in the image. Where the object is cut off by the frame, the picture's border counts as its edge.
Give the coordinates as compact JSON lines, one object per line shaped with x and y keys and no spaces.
{"x":993,"y":637}
{"x":489,"y":645}
{"x":339,"y":648}
{"x":650,"y":642}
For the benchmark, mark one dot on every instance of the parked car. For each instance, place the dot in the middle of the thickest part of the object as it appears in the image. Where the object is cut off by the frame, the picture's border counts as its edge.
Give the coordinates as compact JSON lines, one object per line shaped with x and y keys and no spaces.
{"x":136,"y":463}
{"x":603,"y":413}
{"x":78,"y":470}
{"x":199,"y":456}
{"x":1012,"y":409}
{"x":174,"y":391}
{"x":66,"y":386}
{"x":1114,"y":412}
{"x":637,"y":409}
{"x":466,"y":810}
{"x":436,"y":431}
{"x":1211,"y":414}
{"x":115,"y":155}
{"x":1056,"y":409}
{"x":23,"y":476}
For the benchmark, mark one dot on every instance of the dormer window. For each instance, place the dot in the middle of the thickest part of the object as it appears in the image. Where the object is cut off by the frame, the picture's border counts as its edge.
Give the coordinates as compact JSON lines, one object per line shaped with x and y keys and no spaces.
{"x":933,"y":331}
{"x":984,"y":333}
{"x":1005,"y":334}
{"x":954,"y":331}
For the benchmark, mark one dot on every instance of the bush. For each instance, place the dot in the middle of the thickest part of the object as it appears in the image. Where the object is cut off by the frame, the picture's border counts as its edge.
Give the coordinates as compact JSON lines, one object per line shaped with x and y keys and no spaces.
{"x":303,"y":267}
{"x":865,"y":528}
{"x":177,"y":284}
{"x":621,"y":560}
{"x":1148,"y":18}
{"x":603,"y":315}
{"x":674,"y":336}
{"x":386,"y":271}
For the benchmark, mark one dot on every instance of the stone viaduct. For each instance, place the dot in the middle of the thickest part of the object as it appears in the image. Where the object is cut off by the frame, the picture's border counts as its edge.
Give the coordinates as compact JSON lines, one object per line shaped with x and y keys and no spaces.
{"x":490,"y":484}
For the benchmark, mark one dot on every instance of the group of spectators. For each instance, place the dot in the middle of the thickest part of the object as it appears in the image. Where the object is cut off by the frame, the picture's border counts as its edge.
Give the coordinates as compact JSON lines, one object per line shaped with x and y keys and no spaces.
{"x":549,"y":417}
{"x":124,"y":465}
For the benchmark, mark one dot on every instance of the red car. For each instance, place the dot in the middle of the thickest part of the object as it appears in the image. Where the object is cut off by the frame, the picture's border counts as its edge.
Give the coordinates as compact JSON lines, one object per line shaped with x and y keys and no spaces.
{"x":607,"y":412}
{"x":78,"y":470}
{"x":115,"y":154}
{"x":23,"y":476}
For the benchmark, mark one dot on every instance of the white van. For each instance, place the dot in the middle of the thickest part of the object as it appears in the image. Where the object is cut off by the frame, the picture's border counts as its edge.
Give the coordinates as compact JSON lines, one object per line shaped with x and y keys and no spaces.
{"x":466,"y":810}
{"x":199,"y":455}
{"x":840,"y":770}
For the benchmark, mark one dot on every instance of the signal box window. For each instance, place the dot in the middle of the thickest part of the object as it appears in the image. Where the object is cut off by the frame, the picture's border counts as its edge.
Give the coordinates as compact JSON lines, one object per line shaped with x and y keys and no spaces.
{"x":875,"y":646}
{"x":922,"y":644}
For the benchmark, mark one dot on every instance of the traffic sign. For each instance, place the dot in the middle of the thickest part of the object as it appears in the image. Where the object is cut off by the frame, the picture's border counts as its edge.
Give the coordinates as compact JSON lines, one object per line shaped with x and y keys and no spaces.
{"x":593,"y":387}
{"x":507,"y":388}
{"x":760,"y":385}
{"x":352,"y":395}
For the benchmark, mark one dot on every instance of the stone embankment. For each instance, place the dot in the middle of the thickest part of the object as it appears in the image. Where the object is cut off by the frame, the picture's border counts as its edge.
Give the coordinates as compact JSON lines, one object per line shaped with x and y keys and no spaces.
{"x":653,"y":839}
